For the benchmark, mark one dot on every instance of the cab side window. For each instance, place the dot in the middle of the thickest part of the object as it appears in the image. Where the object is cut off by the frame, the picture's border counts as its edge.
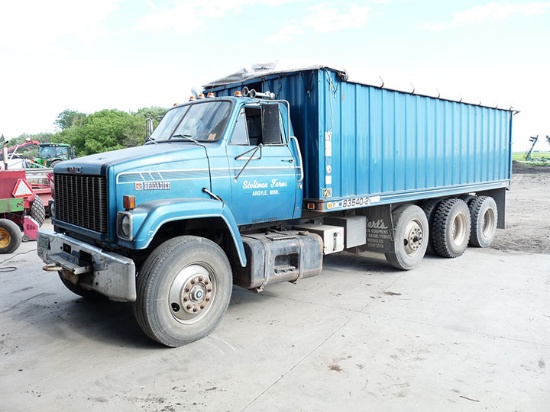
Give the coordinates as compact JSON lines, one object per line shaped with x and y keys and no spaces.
{"x":240,"y":134}
{"x":254,"y":123}
{"x":254,"y":127}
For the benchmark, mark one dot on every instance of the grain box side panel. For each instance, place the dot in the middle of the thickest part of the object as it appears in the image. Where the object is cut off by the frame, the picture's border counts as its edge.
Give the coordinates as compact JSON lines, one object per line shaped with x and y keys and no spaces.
{"x":391,"y":143}
{"x":362,"y":140}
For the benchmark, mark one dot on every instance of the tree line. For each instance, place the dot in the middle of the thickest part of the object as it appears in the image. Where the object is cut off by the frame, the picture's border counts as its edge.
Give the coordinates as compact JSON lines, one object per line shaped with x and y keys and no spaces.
{"x":102,"y":131}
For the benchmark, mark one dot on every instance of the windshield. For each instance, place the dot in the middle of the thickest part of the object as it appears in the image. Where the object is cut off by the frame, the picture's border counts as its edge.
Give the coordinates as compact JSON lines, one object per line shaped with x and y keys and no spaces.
{"x":62,"y":152}
{"x":201,"y":121}
{"x":45,"y":152}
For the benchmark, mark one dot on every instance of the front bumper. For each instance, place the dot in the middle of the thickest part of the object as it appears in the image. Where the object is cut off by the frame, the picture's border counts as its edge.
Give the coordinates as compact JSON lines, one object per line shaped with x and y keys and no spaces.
{"x":91,"y":268}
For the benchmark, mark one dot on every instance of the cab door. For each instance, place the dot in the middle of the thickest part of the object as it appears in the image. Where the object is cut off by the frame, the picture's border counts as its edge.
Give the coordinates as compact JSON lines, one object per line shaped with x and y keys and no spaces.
{"x":263,"y":171}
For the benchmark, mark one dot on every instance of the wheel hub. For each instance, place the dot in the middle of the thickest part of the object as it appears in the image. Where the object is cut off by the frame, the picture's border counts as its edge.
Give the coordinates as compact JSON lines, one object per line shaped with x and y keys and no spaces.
{"x":413,"y":237}
{"x":458,"y":229}
{"x":488,"y":223}
{"x":4,"y":238}
{"x":191,"y":293}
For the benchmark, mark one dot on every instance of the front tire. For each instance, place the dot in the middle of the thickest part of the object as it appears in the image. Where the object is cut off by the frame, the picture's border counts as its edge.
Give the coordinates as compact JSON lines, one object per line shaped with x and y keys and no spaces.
{"x":411,"y":237}
{"x":183,"y":290}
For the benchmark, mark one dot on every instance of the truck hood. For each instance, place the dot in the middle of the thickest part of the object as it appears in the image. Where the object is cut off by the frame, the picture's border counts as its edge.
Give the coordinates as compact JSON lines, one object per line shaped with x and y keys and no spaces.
{"x":135,"y":157}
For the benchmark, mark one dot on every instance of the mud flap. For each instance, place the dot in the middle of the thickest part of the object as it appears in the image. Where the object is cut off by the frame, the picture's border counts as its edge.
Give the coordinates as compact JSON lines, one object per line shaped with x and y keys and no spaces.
{"x":380,"y":231}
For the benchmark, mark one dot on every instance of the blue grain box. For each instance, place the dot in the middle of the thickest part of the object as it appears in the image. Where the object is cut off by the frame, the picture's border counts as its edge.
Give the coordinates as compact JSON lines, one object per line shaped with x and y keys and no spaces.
{"x":363,"y":144}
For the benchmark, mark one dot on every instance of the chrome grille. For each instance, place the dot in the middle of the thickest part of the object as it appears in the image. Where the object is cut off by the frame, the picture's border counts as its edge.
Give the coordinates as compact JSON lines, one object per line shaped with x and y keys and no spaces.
{"x":81,"y":201}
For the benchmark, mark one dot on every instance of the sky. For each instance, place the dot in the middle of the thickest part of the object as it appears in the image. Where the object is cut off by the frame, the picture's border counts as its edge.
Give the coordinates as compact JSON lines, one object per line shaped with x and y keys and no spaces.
{"x":90,"y":55}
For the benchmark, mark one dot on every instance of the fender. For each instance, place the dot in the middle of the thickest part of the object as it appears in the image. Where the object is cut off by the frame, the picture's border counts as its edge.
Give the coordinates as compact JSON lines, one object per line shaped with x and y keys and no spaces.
{"x":150,"y":216}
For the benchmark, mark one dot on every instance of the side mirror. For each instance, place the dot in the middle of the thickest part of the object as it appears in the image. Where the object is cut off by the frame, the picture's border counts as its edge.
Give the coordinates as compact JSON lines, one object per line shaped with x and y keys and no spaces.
{"x":271,"y":129}
{"x":149,"y":127}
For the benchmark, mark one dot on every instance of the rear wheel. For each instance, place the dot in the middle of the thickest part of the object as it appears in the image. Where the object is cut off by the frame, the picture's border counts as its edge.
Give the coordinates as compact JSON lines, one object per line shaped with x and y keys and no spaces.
{"x":10,"y":236}
{"x":451,"y":228}
{"x":484,"y":217}
{"x":411,"y":237}
{"x":183,"y":290}
{"x":429,"y":207}
{"x":38,"y":211}
{"x":467,"y":198}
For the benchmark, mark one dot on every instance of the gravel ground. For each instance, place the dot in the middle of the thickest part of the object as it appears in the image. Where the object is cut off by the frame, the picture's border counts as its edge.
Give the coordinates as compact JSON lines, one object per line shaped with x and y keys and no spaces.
{"x":527,"y":212}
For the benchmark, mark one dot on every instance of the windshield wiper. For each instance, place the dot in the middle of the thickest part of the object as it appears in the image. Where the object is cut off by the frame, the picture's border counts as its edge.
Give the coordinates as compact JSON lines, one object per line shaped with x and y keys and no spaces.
{"x":150,"y":139}
{"x":184,"y":136}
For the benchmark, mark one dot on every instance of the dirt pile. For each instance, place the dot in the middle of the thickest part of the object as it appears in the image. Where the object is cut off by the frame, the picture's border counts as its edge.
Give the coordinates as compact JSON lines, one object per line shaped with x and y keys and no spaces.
{"x":527,"y":211}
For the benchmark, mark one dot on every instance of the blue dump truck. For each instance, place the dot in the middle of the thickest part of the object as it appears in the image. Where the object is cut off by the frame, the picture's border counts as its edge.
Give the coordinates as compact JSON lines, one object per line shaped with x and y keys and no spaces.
{"x":254,"y":183}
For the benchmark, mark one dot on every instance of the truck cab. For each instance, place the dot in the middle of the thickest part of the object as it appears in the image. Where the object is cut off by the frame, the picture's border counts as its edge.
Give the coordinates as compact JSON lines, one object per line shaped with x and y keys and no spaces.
{"x":250,"y":155}
{"x":213,"y":170}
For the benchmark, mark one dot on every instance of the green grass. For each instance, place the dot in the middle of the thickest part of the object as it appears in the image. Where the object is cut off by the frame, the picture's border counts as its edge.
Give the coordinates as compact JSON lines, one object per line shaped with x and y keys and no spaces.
{"x":537,"y":158}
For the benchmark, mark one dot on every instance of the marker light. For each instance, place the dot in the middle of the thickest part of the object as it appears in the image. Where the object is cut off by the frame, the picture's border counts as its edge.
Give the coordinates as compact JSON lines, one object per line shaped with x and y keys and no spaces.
{"x":191,"y":98}
{"x":201,"y":96}
{"x":129,"y":202}
{"x":210,"y":95}
{"x":238,"y":94}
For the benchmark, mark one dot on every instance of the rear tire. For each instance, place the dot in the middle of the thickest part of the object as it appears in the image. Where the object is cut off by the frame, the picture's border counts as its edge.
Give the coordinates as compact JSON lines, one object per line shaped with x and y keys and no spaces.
{"x":38,"y":211}
{"x":183,"y":290}
{"x":411,"y":237}
{"x":451,"y":228}
{"x":484,"y":218}
{"x":10,"y":236}
{"x":467,"y":199}
{"x":430,"y":207}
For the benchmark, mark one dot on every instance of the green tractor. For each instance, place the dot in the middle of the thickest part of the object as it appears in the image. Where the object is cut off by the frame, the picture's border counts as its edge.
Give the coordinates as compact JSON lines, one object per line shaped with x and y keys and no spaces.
{"x":50,"y":154}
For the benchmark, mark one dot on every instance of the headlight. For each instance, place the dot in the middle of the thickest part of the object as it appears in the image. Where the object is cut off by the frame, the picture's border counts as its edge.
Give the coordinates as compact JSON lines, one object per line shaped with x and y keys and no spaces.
{"x":125,"y":225}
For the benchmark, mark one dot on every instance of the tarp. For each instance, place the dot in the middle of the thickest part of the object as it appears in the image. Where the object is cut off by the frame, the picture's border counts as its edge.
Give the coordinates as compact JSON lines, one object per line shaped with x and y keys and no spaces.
{"x":263,"y":69}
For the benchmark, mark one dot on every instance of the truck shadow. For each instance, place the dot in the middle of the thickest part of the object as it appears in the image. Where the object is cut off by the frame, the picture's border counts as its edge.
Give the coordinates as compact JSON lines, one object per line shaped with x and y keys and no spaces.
{"x":109,"y":322}
{"x":74,"y":320}
{"x":357,"y":262}
{"x":63,"y":316}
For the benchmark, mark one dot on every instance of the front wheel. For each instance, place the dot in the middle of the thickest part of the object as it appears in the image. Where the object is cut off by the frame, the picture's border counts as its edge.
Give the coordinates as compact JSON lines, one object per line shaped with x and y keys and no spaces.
{"x":183,"y":290}
{"x":411,"y":237}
